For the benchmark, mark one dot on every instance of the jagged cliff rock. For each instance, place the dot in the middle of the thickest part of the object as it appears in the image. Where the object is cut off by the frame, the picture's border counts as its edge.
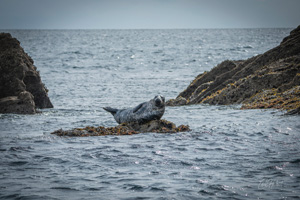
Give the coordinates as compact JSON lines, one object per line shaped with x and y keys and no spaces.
{"x":235,"y":82}
{"x":21,"y":88}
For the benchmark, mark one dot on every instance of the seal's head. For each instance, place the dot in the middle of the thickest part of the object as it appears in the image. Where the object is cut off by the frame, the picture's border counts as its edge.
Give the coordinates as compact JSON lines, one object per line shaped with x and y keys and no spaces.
{"x":159,"y":101}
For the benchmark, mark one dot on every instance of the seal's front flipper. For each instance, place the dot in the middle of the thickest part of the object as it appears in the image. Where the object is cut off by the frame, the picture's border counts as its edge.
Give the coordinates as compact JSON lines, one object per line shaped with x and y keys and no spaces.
{"x":137,"y":108}
{"x":111,"y":110}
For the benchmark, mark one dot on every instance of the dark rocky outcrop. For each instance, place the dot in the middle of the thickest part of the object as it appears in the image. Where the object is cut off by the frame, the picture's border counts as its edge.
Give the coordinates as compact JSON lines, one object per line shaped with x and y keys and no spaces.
{"x":155,"y":126}
{"x":246,"y":81}
{"x":21,"y":88}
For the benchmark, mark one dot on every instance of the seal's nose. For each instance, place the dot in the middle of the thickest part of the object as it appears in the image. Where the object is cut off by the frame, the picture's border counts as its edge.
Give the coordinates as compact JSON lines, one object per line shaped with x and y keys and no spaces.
{"x":159,"y":101}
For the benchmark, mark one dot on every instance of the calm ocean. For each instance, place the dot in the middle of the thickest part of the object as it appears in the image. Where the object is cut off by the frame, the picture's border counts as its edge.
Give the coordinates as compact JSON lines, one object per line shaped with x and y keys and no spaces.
{"x":229,"y":154}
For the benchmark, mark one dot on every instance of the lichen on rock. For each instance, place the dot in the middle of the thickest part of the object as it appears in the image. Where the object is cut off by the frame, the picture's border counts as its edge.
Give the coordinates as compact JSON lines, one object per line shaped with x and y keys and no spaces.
{"x":155,"y":126}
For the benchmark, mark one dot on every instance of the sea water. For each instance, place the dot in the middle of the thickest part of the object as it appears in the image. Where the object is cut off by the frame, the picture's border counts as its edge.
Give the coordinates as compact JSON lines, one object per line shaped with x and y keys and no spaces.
{"x":229,"y":154}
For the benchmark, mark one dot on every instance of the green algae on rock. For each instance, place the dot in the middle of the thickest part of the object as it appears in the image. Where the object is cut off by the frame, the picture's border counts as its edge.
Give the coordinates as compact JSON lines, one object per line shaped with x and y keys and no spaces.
{"x":155,"y":126}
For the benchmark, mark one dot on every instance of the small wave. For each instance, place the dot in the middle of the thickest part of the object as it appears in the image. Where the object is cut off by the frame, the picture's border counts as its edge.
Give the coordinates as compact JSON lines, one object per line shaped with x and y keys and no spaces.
{"x":64,"y":188}
{"x":158,"y":51}
{"x":108,"y":67}
{"x":18,"y":163}
{"x":181,"y":148}
{"x":134,"y":187}
{"x":50,"y":159}
{"x":217,"y":187}
{"x":11,"y":196}
{"x":136,"y":146}
{"x":181,"y":163}
{"x":20,"y":148}
{"x":242,"y":49}
{"x":199,"y":159}
{"x":77,"y":67}
{"x":202,"y":149}
{"x":95,"y":188}
{"x":70,"y":52}
{"x":296,"y":161}
{"x":88,"y":155}
{"x":159,"y":153}
{"x":154,"y":172}
{"x":31,"y":197}
{"x":206,"y":192}
{"x":167,"y":60}
{"x":192,"y":61}
{"x":184,"y":163}
{"x":156,"y":189}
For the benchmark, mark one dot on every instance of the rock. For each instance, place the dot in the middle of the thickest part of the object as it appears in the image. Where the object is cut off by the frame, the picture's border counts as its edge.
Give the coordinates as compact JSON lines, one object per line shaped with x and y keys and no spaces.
{"x":288,"y":100}
{"x":22,"y":104}
{"x":156,"y":126}
{"x":236,"y":82}
{"x":95,"y":131}
{"x":21,"y":88}
{"x":179,"y":101}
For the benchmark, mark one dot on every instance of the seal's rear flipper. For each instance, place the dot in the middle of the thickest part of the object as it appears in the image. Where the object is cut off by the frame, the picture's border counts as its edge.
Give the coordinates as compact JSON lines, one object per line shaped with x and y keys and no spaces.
{"x":111,"y":110}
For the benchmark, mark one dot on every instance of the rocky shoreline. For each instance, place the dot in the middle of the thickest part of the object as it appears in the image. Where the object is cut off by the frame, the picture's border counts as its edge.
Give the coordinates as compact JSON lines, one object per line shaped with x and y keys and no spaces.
{"x":21,"y":88}
{"x":155,"y":126}
{"x":268,"y":80}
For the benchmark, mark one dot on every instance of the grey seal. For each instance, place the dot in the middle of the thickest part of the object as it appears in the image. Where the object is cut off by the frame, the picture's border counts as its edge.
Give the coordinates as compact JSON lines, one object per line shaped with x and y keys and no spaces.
{"x":144,"y":112}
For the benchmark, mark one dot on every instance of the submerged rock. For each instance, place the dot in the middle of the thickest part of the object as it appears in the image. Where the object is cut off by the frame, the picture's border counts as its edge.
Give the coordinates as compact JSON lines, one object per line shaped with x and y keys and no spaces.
{"x":156,"y":126}
{"x":21,"y":88}
{"x":237,"y":82}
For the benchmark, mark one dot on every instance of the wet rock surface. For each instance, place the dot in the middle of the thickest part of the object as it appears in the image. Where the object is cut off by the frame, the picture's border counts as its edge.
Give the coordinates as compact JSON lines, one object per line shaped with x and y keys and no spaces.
{"x":250,"y":81}
{"x":21,"y":88}
{"x":156,"y":126}
{"x":287,"y":100}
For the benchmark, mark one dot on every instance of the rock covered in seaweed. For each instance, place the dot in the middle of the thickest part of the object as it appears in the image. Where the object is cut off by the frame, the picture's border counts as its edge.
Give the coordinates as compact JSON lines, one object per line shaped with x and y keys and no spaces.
{"x":21,"y":88}
{"x":235,"y":82}
{"x":95,"y":131}
{"x":288,"y":100}
{"x":156,"y":126}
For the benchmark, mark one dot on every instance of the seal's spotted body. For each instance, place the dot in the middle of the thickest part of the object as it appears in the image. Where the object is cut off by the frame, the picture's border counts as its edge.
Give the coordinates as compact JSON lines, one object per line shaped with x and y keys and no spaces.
{"x":145,"y":112}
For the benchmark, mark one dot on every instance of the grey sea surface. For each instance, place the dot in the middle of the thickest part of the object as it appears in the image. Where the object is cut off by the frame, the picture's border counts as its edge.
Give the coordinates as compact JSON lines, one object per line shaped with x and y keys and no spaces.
{"x":229,"y":154}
